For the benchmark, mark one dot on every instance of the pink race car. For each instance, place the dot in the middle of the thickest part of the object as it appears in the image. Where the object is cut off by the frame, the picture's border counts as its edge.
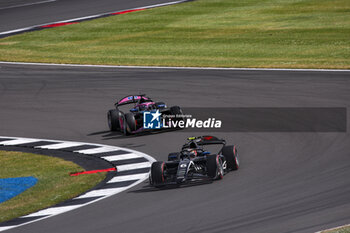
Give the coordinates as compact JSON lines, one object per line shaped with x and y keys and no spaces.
{"x":131,"y":121}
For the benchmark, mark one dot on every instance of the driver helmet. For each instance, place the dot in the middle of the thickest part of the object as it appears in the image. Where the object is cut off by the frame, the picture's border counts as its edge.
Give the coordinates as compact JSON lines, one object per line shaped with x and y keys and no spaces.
{"x":192,"y":153}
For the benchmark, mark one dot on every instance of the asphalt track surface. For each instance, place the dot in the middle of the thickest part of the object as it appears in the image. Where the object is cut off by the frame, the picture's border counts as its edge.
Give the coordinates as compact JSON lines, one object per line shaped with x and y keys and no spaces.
{"x":288,"y":182}
{"x":15,"y":14}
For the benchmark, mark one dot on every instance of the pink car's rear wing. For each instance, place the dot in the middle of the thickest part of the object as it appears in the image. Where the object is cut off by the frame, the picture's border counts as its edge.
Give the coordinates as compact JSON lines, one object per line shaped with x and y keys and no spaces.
{"x":131,"y":99}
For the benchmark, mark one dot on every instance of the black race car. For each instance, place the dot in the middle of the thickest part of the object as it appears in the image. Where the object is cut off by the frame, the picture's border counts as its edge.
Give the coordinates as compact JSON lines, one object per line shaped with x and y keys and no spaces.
{"x":193,"y":162}
{"x":131,"y":121}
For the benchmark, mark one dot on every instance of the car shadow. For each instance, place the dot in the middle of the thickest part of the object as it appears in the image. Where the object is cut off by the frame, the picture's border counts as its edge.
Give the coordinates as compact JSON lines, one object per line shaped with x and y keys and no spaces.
{"x":108,"y":135}
{"x":149,"y":188}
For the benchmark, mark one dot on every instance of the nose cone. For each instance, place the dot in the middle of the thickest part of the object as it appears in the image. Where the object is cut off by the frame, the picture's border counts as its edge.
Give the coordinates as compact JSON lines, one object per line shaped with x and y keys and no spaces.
{"x":182,"y":171}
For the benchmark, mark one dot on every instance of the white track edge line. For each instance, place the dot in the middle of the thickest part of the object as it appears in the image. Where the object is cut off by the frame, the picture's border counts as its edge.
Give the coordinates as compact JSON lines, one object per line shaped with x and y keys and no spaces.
{"x":171,"y":67}
{"x":148,"y":67}
{"x":99,"y":199}
{"x":334,"y":228}
{"x":148,"y":157}
{"x":91,"y":16}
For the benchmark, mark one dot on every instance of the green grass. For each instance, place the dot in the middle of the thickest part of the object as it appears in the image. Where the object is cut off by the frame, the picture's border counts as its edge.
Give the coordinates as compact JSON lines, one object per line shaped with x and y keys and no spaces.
{"x":54,"y":183}
{"x":338,"y":230}
{"x":221,"y":33}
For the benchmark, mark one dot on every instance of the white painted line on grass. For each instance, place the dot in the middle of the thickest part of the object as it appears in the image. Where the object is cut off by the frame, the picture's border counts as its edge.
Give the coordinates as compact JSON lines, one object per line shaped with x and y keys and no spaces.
{"x":171,"y":67}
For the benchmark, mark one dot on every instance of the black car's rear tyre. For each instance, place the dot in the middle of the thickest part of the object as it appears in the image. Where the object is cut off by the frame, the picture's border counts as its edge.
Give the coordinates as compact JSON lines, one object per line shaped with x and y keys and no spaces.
{"x":176,"y":110}
{"x":214,"y":167}
{"x":174,"y":156}
{"x":231,"y":156}
{"x":113,"y":119}
{"x":157,"y":174}
{"x":129,"y":123}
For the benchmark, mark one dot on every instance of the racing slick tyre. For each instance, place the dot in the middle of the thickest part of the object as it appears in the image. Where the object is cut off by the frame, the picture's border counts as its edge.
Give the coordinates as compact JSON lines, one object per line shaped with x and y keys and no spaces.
{"x":129,"y":124}
{"x":176,"y":110}
{"x":214,"y":167}
{"x":231,"y":156}
{"x":157,"y":174}
{"x":174,"y":156}
{"x":113,"y":119}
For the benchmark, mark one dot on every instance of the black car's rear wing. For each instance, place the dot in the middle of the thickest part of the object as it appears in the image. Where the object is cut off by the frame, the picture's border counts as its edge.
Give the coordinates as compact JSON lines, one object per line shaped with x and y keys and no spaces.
{"x":203,"y":140}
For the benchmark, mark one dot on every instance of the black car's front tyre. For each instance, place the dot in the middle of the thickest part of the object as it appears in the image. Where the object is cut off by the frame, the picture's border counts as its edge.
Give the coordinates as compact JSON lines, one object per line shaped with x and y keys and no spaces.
{"x":157,"y":178}
{"x":215,"y":168}
{"x":231,"y":156}
{"x":113,"y":119}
